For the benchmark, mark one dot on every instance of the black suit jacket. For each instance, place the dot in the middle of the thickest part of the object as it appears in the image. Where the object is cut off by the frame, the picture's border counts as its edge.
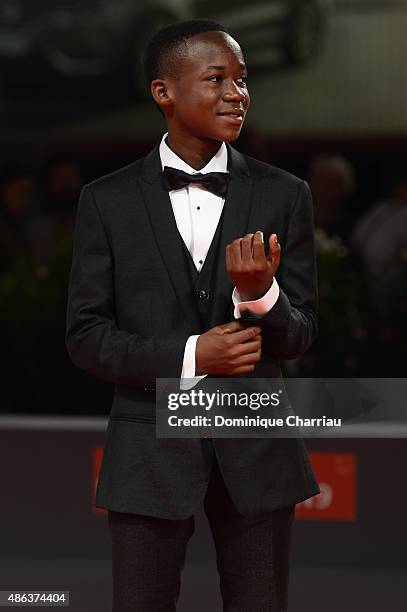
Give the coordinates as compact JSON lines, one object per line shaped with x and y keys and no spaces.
{"x":131,"y":310}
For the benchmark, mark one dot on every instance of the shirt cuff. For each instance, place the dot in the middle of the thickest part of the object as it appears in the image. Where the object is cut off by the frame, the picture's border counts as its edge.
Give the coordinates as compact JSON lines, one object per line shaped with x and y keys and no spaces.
{"x":260,"y":306}
{"x":188,"y":378}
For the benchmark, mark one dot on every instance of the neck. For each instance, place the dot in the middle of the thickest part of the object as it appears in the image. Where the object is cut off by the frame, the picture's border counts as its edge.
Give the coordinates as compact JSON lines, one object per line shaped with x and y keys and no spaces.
{"x":196,"y":153}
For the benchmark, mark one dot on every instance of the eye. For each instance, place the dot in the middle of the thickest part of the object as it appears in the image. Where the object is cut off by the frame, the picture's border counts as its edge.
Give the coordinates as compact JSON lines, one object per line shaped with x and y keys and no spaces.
{"x":215,"y":78}
{"x":242,"y":80}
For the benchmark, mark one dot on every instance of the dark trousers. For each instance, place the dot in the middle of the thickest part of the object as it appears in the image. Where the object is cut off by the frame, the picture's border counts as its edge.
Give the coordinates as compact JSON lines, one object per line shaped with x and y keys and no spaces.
{"x":148,"y":555}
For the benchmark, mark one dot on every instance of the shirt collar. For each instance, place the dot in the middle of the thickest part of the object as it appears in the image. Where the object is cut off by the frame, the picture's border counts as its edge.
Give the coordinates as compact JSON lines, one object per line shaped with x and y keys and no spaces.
{"x":218,"y":163}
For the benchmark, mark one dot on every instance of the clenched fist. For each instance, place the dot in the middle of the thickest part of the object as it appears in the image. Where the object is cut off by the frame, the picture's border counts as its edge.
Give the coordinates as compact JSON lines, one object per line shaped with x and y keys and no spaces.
{"x":249,"y":268}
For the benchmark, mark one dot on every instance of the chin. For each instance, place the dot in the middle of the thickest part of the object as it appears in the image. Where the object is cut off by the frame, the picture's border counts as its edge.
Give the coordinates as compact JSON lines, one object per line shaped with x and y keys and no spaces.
{"x":231,"y":136}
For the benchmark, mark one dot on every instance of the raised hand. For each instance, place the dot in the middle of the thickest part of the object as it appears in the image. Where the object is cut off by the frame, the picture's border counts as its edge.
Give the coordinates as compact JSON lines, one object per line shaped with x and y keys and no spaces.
{"x":250,"y":269}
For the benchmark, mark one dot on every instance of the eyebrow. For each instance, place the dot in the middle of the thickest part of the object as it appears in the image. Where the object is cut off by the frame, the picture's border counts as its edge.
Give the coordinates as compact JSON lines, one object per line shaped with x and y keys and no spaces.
{"x":224,"y":67}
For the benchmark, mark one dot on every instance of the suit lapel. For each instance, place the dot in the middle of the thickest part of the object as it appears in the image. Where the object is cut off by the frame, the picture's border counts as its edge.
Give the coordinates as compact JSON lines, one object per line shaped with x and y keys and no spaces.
{"x":166,"y":235}
{"x":236,"y":213}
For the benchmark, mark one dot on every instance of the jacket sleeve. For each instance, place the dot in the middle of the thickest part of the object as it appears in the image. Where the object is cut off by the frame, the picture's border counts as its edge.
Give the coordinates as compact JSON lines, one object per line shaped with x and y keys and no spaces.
{"x":93,"y":339}
{"x":290,"y":327}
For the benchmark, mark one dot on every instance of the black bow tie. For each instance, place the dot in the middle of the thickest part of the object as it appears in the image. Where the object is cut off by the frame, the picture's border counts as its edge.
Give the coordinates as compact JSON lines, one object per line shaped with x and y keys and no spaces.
{"x":215,"y":182}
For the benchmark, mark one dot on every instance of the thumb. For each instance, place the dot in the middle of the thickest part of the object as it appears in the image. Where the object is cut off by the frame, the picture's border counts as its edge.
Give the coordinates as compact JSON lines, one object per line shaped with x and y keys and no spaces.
{"x":274,"y":246}
{"x":274,"y":253}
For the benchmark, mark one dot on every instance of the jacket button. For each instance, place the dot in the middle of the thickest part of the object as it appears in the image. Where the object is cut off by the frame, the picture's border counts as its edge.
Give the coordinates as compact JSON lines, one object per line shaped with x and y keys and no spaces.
{"x":203,"y":295}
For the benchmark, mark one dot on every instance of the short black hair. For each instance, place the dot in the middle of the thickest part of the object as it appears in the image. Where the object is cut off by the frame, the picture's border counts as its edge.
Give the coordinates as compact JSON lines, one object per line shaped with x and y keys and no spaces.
{"x":167,"y":46}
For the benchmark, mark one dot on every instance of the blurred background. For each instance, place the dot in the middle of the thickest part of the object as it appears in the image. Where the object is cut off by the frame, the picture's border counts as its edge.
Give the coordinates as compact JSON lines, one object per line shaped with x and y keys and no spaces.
{"x":329,"y":98}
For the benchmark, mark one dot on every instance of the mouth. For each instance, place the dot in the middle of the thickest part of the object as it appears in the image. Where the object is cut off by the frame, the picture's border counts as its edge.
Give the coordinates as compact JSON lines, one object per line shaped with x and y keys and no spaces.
{"x":234,"y":116}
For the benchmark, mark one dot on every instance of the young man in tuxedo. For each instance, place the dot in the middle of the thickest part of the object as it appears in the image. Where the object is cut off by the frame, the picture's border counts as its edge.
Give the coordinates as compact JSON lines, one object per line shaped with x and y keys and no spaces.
{"x":171,"y":277}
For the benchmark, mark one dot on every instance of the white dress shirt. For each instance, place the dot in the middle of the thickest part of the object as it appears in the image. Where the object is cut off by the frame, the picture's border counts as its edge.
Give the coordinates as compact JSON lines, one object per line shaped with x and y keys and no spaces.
{"x":197,"y":213}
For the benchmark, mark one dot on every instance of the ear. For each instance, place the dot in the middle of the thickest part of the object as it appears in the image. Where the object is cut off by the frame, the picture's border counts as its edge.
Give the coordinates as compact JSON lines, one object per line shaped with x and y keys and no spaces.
{"x":161,"y":92}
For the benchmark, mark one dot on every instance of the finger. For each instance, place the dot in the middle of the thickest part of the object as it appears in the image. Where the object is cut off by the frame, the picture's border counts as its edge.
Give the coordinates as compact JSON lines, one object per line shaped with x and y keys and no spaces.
{"x":233,"y":326}
{"x":247,"y":348}
{"x":273,"y":244}
{"x":246,"y":334}
{"x":259,"y":255}
{"x":243,"y":370}
{"x":239,"y":326}
{"x":275,"y":251}
{"x":243,"y":360}
{"x":246,"y":247}
{"x":236,"y":254}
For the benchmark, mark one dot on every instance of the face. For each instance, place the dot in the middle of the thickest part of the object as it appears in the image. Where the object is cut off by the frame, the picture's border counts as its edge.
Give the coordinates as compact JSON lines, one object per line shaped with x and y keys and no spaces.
{"x":209,"y":99}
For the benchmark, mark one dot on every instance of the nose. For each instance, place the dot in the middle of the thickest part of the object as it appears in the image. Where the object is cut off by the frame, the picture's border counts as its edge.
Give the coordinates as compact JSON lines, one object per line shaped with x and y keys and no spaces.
{"x":234,"y":93}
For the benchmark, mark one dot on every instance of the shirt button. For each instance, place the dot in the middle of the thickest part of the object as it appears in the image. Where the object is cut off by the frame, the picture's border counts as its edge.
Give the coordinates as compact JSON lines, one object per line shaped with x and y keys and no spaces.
{"x":203,"y":295}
